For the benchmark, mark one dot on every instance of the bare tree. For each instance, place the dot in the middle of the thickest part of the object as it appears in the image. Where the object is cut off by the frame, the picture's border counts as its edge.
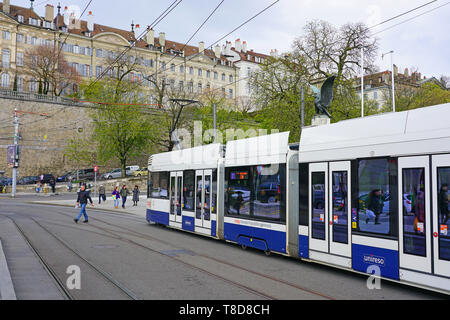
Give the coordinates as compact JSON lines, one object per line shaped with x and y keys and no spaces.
{"x":47,"y":65}
{"x":328,"y":50}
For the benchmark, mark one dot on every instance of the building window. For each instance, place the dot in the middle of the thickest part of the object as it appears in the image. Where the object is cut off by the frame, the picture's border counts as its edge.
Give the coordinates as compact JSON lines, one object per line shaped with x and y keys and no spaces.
{"x":6,"y":35}
{"x":33,"y":85}
{"x":20,"y":38}
{"x":216,"y":76}
{"x":5,"y":80}
{"x":181,"y":69}
{"x":99,"y":71}
{"x":230,"y":92}
{"x":199,"y":88}
{"x":163,"y":66}
{"x":231,"y":78}
{"x":20,"y":18}
{"x":191,"y":70}
{"x":172,"y":67}
{"x":191,"y":87}
{"x":200,"y":72}
{"x":20,"y":59}
{"x":375,"y":95}
{"x":208,"y":74}
{"x":181,"y":85}
{"x":6,"y":57}
{"x":223,"y":76}
{"x":19,"y":83}
{"x":33,"y":40}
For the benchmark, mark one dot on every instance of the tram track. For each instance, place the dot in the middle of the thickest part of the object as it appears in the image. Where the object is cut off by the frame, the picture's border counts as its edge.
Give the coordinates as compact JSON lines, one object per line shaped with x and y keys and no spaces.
{"x":118,"y":236}
{"x":53,"y":273}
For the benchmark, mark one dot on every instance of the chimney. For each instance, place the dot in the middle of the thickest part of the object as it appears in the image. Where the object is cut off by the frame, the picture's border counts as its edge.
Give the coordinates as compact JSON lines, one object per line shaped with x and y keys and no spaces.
{"x":49,"y":12}
{"x":162,"y":39}
{"x":407,"y":73}
{"x":244,"y":47}
{"x":6,"y":6}
{"x":419,"y":76}
{"x":237,"y":45}
{"x":395,"y":70}
{"x":201,"y":47}
{"x":228,"y":48}
{"x":90,"y":22}
{"x":66,"y":16}
{"x":150,"y":37}
{"x":217,"y":51}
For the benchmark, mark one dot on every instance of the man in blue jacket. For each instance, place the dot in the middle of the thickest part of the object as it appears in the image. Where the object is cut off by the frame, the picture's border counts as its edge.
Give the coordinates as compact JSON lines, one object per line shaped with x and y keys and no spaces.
{"x":83,"y":197}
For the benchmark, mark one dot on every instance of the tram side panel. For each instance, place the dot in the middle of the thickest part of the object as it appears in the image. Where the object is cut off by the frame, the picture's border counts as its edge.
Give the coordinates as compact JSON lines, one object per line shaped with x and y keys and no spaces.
{"x":158,"y":204}
{"x":255,"y":207}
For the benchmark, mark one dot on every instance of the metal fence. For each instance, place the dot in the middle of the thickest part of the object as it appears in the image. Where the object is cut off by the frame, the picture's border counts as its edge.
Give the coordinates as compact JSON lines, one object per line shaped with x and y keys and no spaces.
{"x":35,"y":97}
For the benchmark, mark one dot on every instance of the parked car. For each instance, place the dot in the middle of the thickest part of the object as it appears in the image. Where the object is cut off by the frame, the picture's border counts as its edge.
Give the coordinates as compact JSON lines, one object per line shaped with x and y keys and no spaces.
{"x":46,"y":178}
{"x":64,"y":177}
{"x":141,"y":173}
{"x":130,"y":170}
{"x":84,"y":175}
{"x":5,"y":181}
{"x":28,"y":180}
{"x":115,"y":174}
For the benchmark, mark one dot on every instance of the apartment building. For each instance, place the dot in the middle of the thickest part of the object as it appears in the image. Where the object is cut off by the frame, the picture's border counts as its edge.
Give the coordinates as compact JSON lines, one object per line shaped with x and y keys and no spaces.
{"x":89,"y":47}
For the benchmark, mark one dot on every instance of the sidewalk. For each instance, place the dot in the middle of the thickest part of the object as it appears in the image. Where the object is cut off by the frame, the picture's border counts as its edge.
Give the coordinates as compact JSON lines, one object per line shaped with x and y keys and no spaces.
{"x":140,"y":210}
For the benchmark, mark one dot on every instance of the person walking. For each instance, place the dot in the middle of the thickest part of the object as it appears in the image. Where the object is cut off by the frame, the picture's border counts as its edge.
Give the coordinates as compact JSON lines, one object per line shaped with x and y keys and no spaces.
{"x":124,"y":193}
{"x":53,"y":185}
{"x":82,"y":201}
{"x":374,"y":205}
{"x":136,"y":194}
{"x":69,"y":185}
{"x":116,"y":197}
{"x":101,"y":194}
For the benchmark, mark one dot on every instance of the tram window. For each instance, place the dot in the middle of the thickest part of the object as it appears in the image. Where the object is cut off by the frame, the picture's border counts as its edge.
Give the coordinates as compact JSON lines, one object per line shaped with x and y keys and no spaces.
{"x":158,"y":185}
{"x":304,"y":194}
{"x":257,"y":192}
{"x":214,"y":193}
{"x":340,"y":206}
{"x":318,"y":205}
{"x":414,"y":211}
{"x":239,"y":191}
{"x":444,"y":212}
{"x":267,"y":182}
{"x":189,"y":190}
{"x":376,"y":199}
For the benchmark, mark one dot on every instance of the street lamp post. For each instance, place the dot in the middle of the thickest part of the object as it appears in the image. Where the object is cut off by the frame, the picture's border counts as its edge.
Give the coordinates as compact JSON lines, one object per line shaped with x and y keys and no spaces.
{"x":393,"y":77}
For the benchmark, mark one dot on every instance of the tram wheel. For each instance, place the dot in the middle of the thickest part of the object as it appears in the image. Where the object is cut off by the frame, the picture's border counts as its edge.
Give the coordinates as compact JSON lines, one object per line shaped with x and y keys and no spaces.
{"x":244,"y":247}
{"x":267,"y":252}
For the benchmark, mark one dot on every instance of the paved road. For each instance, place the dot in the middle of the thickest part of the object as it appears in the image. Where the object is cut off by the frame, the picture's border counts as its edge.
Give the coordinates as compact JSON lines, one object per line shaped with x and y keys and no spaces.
{"x":122,"y":257}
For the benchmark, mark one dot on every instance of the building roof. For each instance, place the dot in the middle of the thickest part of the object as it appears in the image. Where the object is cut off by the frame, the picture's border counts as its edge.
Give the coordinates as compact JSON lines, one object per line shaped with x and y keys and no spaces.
{"x":15,"y":11}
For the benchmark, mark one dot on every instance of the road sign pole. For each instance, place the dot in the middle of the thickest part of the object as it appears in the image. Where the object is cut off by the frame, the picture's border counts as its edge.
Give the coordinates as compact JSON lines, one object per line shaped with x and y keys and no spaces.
{"x":16,"y":162}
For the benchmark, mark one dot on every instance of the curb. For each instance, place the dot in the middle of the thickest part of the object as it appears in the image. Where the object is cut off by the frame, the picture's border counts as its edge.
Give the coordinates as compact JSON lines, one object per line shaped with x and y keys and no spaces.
{"x":6,"y":286}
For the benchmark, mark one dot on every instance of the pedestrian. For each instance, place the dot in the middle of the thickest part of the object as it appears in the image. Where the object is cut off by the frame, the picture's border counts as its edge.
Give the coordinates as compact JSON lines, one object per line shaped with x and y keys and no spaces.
{"x":124,"y":193}
{"x":69,"y":185}
{"x":136,"y":194}
{"x":374,"y":205}
{"x":82,"y":201}
{"x":38,"y":187}
{"x":53,"y":185}
{"x":101,"y":194}
{"x":116,"y":197}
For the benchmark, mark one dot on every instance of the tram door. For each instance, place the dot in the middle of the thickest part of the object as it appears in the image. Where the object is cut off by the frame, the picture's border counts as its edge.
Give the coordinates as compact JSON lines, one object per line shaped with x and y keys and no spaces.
{"x":441,"y":215}
{"x":176,"y":187}
{"x":203,"y":198}
{"x":415,"y":214}
{"x":330,"y":212}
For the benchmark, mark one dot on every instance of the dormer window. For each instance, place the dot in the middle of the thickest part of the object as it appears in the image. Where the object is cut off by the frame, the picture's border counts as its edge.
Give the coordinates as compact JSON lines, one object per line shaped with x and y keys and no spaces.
{"x":20,"y":18}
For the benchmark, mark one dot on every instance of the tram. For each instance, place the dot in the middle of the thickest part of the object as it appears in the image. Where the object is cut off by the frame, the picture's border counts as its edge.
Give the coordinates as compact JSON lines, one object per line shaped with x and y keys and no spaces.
{"x":368,"y":195}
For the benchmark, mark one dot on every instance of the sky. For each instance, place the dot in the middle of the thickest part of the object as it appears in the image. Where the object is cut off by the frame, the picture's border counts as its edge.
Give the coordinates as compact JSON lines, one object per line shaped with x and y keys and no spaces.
{"x":422,"y":43}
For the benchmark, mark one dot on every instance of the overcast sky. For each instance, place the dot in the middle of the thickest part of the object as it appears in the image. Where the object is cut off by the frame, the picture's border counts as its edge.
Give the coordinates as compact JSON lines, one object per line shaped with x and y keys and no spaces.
{"x":423,"y":43}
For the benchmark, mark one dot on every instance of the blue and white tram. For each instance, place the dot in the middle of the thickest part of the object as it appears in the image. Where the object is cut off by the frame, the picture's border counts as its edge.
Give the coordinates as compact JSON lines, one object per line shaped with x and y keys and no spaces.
{"x":368,"y":195}
{"x":183,"y":189}
{"x":373,"y":193}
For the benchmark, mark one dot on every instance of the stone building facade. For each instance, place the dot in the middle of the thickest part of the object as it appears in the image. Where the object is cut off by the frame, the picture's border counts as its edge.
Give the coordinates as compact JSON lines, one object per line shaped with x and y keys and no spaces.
{"x":87,"y":46}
